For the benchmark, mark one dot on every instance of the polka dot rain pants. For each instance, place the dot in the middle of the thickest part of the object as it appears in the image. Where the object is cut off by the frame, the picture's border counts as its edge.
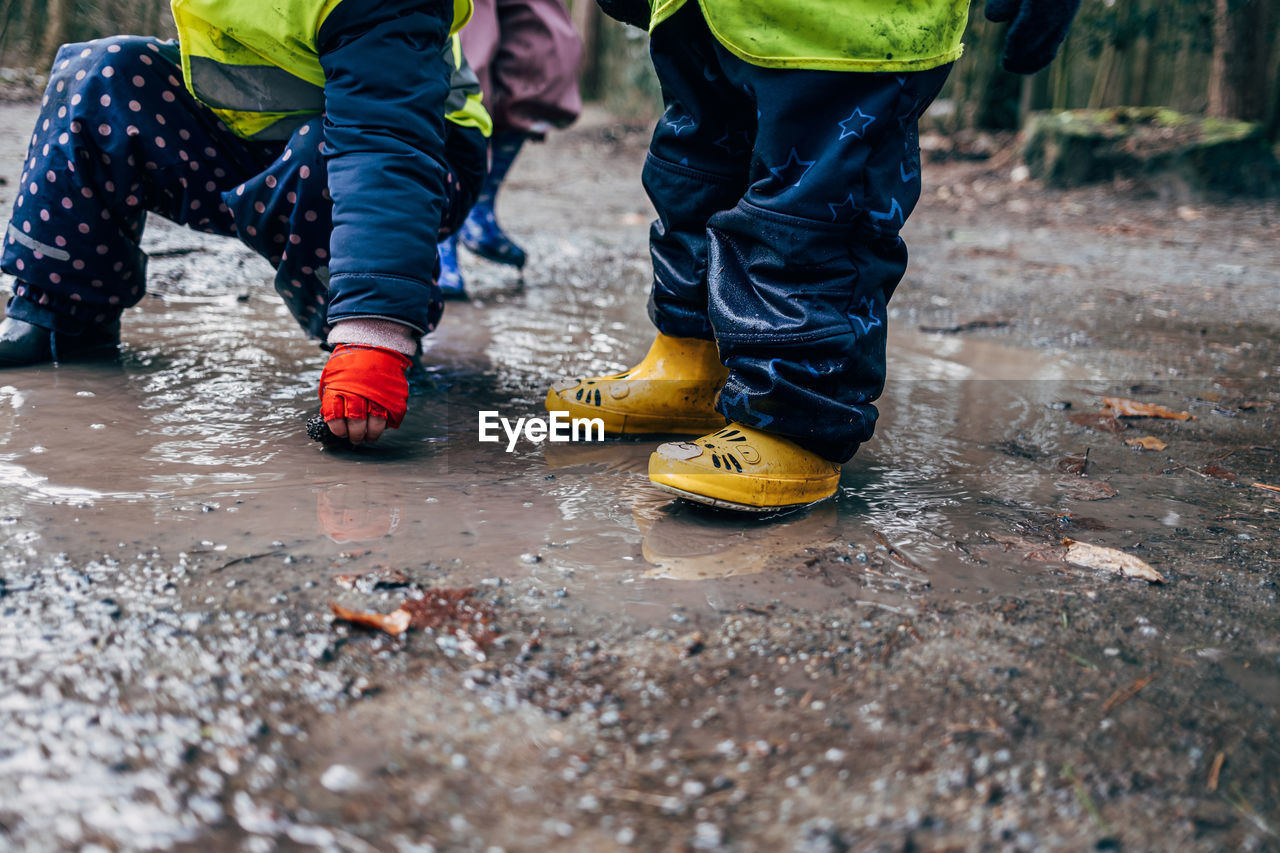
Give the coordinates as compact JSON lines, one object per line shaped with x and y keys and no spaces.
{"x":118,"y":137}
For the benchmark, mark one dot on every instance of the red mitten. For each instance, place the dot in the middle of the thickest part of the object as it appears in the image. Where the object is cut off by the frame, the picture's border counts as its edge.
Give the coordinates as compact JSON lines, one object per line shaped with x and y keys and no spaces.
{"x":359,"y":381}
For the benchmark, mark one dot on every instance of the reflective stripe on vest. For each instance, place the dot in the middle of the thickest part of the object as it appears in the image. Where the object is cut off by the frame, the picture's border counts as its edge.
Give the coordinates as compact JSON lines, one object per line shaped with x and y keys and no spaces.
{"x":253,"y":88}
{"x":266,"y":80}
{"x":464,"y":105}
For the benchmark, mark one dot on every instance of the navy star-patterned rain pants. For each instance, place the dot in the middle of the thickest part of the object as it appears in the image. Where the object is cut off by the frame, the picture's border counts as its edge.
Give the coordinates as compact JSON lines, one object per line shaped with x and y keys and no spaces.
{"x":780,"y":194}
{"x":120,"y":136}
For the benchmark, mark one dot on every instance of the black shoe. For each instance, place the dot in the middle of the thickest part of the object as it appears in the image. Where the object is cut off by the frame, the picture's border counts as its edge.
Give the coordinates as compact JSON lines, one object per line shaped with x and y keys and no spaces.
{"x":23,"y":344}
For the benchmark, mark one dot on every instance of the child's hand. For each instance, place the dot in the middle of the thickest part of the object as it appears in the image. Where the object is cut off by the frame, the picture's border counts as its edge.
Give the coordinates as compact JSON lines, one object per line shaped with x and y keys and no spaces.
{"x":1038,"y":28}
{"x":363,"y":390}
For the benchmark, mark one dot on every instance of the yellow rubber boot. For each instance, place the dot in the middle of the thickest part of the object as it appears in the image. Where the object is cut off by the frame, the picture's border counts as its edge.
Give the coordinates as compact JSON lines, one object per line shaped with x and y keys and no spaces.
{"x":744,"y":469}
{"x":673,"y":390}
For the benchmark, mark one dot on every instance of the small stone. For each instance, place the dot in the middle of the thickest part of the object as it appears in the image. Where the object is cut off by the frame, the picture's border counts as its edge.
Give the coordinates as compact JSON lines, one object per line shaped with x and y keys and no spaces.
{"x":707,"y":836}
{"x":340,"y":778}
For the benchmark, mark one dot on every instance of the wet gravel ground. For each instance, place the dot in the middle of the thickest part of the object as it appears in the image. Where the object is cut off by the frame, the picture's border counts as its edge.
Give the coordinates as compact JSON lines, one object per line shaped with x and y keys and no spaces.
{"x":911,"y":667}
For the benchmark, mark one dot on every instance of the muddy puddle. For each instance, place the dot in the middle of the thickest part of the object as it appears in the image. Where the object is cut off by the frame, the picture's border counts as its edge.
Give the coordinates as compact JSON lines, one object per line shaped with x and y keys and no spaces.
{"x":191,"y":442}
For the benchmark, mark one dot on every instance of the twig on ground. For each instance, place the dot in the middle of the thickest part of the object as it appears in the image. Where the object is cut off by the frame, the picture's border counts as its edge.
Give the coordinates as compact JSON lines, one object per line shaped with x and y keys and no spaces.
{"x":248,"y":558}
{"x":1214,"y":771}
{"x":898,"y":555}
{"x":1124,"y":694}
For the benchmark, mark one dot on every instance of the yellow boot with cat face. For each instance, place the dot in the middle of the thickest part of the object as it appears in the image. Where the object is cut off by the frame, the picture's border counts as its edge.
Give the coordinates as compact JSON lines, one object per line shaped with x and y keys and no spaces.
{"x":672,"y":391}
{"x":743,"y":469}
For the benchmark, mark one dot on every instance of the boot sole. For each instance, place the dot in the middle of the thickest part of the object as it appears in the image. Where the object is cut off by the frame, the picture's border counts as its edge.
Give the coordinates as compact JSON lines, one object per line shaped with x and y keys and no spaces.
{"x":494,"y":257}
{"x":685,"y":485}
{"x":720,"y":503}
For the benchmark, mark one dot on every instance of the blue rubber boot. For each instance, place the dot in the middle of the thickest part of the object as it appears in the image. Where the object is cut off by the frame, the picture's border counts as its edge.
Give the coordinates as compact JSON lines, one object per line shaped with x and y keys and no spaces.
{"x":450,"y":281}
{"x":481,"y":233}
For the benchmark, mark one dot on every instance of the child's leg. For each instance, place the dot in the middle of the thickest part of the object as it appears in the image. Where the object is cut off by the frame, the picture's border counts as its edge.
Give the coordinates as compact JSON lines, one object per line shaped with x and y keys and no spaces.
{"x":804,"y":265}
{"x":118,"y":136}
{"x":530,"y":76}
{"x":285,"y":214}
{"x":698,"y":165}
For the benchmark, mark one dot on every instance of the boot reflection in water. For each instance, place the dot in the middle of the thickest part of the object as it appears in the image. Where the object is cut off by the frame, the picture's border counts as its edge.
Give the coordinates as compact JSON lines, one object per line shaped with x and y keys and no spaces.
{"x":689,"y":542}
{"x":684,"y":543}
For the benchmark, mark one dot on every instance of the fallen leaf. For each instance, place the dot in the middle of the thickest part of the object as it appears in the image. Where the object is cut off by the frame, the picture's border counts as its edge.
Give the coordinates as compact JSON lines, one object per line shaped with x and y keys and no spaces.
{"x":438,"y":610}
{"x":1133,"y":409}
{"x":1101,"y":421}
{"x":394,"y":623}
{"x":443,"y":606}
{"x":1218,"y":472}
{"x":1146,"y":442}
{"x":1110,"y":560}
{"x":1085,"y":489}
{"x":1074,"y":464}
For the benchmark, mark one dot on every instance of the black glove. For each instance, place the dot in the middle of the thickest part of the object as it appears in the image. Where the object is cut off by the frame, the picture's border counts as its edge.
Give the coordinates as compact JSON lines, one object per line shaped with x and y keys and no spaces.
{"x":1037,"y":30}
{"x":633,"y":12}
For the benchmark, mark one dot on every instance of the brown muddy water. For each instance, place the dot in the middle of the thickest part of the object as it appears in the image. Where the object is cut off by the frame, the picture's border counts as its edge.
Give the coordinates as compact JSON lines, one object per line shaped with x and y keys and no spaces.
{"x":192,"y":442}
{"x":909,"y":666}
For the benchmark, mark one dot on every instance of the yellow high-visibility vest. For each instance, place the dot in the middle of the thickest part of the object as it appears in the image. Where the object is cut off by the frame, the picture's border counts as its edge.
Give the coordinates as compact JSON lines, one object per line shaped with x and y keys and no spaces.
{"x":833,"y":35}
{"x":257,"y":66}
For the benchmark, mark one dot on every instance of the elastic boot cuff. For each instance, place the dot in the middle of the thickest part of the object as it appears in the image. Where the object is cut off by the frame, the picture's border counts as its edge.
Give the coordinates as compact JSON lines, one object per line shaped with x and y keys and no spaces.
{"x":21,"y":308}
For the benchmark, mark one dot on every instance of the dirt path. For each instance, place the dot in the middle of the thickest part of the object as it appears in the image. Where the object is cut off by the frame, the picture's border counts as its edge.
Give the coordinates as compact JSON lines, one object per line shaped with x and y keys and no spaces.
{"x":914,"y":666}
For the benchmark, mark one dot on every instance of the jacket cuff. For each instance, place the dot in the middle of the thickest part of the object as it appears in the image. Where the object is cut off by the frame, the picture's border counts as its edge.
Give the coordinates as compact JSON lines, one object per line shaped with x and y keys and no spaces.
{"x":405,"y":300}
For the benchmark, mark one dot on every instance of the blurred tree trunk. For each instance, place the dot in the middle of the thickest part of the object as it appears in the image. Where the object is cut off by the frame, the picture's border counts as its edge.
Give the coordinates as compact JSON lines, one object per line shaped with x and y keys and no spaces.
{"x":586,"y":18}
{"x":1035,"y":94}
{"x":1106,"y":64}
{"x":1061,"y":70}
{"x":1241,"y":59}
{"x":56,"y":25}
{"x":1142,"y":68}
{"x":986,"y":95}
